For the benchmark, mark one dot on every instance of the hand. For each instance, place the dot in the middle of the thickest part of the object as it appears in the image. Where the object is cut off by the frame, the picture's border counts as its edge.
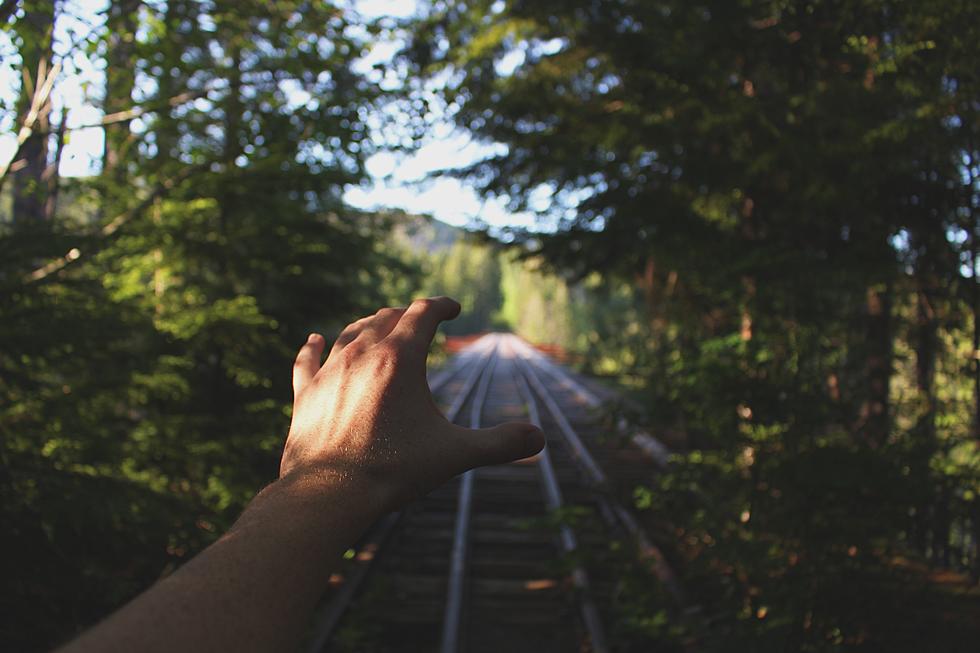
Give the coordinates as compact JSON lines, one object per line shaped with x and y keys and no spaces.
{"x":368,"y":414}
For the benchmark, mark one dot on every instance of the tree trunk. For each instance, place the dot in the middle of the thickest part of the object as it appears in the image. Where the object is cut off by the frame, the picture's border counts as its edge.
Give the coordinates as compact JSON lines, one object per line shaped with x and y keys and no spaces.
{"x":121,"y":23}
{"x":973,"y":226}
{"x":873,"y":423}
{"x":228,"y":196}
{"x":929,"y":241}
{"x":178,"y":18}
{"x":35,"y":30}
{"x":53,"y":173}
{"x":746,"y":322}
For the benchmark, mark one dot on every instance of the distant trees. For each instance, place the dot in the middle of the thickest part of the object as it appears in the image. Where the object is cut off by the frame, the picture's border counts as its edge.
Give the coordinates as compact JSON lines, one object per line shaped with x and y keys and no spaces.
{"x":469,"y":272}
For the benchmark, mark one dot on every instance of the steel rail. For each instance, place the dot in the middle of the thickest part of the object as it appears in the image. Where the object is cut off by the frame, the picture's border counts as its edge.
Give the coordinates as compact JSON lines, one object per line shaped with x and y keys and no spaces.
{"x":595,"y":476}
{"x":580,"y":453}
{"x":653,"y":448}
{"x":459,"y":560}
{"x":329,"y":619}
{"x":569,"y":542}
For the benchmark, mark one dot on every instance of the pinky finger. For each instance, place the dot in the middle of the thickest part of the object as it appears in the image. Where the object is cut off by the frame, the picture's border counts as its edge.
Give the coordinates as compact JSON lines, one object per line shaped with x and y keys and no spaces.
{"x":307,"y":361}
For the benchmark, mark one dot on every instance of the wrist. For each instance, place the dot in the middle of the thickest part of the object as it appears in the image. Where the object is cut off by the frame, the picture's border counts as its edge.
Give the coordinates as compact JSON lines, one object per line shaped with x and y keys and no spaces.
{"x":338,"y":486}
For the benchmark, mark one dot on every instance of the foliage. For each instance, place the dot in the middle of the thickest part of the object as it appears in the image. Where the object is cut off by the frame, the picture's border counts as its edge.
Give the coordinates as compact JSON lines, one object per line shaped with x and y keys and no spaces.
{"x":783,"y":197}
{"x":470,"y":273}
{"x":145,"y":383}
{"x":767,"y":231}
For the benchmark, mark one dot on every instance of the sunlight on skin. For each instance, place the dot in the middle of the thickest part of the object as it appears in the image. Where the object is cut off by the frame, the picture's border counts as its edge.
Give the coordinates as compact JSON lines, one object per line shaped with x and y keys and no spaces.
{"x":370,"y":407}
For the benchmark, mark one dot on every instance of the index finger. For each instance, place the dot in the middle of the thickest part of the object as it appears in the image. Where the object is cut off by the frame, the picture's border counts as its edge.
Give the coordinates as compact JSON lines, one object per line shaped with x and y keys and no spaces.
{"x":419,"y":323}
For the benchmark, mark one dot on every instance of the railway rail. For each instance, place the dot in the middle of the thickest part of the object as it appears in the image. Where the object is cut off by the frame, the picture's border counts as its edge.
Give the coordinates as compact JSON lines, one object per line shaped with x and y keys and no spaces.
{"x":507,"y":557}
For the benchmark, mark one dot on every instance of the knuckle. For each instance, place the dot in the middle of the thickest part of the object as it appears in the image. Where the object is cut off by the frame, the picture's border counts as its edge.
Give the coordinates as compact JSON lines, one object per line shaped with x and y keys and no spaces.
{"x":424,"y":303}
{"x":352,"y":351}
{"x":358,"y":322}
{"x":389,"y":350}
{"x":389,"y":312}
{"x":387,"y":357}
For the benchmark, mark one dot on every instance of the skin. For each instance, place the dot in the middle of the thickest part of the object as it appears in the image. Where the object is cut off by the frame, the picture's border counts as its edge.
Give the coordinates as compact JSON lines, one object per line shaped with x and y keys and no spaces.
{"x":366,"y":437}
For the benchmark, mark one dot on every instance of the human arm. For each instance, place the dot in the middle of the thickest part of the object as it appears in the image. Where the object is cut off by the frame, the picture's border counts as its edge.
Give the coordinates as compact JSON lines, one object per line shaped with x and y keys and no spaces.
{"x":365,"y":438}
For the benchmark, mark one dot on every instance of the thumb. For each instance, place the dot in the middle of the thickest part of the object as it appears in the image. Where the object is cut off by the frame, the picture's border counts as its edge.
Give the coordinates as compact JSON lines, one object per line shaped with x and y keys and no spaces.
{"x":504,"y":443}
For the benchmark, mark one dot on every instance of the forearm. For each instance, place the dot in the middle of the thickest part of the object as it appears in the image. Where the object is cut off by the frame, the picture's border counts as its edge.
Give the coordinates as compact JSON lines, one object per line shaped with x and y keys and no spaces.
{"x":366,"y":436}
{"x":253,"y":589}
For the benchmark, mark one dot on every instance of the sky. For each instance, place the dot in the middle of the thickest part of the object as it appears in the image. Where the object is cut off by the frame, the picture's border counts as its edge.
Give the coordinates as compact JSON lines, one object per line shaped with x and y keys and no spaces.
{"x":396,"y":180}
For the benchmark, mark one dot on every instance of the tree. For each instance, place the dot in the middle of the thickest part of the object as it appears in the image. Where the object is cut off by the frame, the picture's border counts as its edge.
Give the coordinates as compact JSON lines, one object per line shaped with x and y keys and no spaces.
{"x":791,"y":172}
{"x":34,"y":29}
{"x":145,"y":372}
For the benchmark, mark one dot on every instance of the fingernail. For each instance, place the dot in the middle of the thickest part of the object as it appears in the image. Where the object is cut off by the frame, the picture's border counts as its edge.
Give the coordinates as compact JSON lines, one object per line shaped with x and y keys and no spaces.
{"x":312,"y":337}
{"x":530,"y":428}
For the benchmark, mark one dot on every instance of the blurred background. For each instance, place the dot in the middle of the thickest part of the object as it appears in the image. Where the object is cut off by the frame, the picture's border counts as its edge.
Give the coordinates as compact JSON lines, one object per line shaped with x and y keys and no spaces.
{"x":756,"y":219}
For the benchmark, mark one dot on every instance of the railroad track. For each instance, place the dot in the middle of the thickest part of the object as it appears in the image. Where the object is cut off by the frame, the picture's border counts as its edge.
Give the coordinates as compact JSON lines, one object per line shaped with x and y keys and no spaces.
{"x":503,"y":558}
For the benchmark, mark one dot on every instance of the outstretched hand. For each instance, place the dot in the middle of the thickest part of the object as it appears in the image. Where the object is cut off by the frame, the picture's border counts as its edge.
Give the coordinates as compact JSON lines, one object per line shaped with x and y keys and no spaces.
{"x":365,"y":438}
{"x":367,"y":412}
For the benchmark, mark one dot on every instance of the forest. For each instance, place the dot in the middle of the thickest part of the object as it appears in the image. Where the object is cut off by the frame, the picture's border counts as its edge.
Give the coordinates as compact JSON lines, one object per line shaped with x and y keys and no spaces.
{"x":758,"y":221}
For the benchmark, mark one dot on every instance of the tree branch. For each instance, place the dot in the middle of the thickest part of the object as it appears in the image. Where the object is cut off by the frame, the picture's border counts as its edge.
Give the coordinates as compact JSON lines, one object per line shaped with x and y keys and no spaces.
{"x":114,"y":225}
{"x":137,"y":111}
{"x":39,"y":99}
